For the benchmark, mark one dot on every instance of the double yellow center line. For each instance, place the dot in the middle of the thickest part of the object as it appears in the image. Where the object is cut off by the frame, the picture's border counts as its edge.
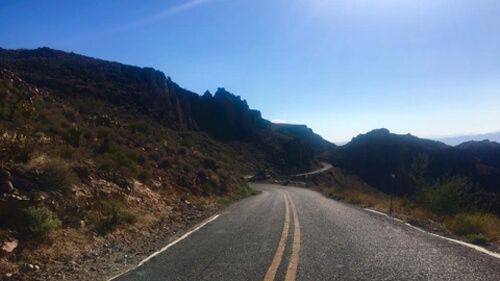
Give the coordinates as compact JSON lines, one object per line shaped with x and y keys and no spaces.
{"x":291,"y":271}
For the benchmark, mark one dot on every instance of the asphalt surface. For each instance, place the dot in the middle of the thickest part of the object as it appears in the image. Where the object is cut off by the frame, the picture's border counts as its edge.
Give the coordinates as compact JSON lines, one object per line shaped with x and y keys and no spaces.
{"x":324,"y":240}
{"x":326,"y":167}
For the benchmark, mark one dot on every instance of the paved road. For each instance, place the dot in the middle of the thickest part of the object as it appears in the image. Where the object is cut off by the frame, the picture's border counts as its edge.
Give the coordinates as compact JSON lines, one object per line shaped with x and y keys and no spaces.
{"x":326,"y":167}
{"x":288,"y":233}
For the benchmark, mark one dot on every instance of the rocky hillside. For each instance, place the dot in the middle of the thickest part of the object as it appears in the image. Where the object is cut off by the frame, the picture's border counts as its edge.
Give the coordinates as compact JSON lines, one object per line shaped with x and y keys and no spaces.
{"x":89,"y":148}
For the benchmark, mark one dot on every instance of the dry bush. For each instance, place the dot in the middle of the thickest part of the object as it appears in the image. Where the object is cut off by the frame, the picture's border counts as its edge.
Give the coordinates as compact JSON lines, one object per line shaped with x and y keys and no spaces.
{"x":355,"y":196}
{"x":467,"y":224}
{"x":56,"y":174}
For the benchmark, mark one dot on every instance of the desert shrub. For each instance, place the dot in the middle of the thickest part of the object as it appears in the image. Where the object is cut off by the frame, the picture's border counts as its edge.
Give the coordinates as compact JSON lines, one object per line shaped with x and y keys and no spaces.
{"x":57,"y":175}
{"x":445,"y":196}
{"x":407,"y":205}
{"x":69,"y":114}
{"x":478,"y":239}
{"x":207,"y":188}
{"x":285,"y":182}
{"x":165,"y":163}
{"x":90,"y":105}
{"x":136,"y":156}
{"x":202,"y":175}
{"x":115,"y":215}
{"x":418,"y":216}
{"x":466,"y":224}
{"x":145,"y":175}
{"x":463,"y":224}
{"x":40,"y":221}
{"x":156,"y":155}
{"x":21,"y":154}
{"x":209,"y":163}
{"x":72,"y":137}
{"x":107,"y":144}
{"x":118,"y":161}
{"x":182,"y":151}
{"x":103,"y":120}
{"x":188,"y":142}
{"x":328,"y":192}
{"x":139,"y":127}
{"x":22,"y":112}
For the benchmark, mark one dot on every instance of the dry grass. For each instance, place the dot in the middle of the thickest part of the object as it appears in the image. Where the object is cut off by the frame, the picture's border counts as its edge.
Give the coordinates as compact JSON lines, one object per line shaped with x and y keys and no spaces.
{"x":67,"y":244}
{"x":350,"y":189}
{"x":467,"y":224}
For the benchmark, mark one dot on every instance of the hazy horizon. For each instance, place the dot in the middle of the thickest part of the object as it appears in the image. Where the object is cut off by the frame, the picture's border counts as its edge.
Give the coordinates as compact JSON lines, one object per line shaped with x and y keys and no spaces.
{"x":429,"y":68}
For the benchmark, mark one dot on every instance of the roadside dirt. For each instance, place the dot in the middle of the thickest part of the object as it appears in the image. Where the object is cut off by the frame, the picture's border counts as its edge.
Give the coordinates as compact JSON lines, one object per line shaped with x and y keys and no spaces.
{"x":114,"y":253}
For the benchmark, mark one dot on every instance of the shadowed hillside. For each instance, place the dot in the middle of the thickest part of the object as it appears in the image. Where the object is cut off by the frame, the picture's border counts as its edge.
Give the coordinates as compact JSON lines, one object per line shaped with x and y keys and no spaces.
{"x":222,"y":116}
{"x":420,"y":163}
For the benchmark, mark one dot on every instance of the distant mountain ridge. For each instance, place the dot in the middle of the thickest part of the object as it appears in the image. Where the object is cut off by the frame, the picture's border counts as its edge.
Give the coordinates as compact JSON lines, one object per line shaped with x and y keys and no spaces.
{"x":494,"y":137}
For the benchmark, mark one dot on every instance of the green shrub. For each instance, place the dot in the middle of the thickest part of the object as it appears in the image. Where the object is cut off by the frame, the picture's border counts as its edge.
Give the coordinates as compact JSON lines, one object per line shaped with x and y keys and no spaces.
{"x":328,"y":192}
{"x":58,"y":175}
{"x":72,"y":137}
{"x":285,"y":182}
{"x":478,"y":239}
{"x":40,"y":221}
{"x":90,"y":105}
{"x":188,"y":142}
{"x":139,"y":127}
{"x":476,"y":223}
{"x":208,"y":188}
{"x":118,"y":161}
{"x":463,"y":224}
{"x":115,"y":215}
{"x":445,"y":196}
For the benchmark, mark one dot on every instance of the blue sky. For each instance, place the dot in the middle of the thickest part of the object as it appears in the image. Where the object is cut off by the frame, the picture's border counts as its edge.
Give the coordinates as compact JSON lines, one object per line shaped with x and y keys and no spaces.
{"x":342,"y":67}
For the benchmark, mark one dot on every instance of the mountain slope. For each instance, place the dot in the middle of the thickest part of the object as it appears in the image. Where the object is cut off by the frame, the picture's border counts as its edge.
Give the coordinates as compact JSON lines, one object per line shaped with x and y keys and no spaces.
{"x":223,"y":116}
{"x":416,"y":163}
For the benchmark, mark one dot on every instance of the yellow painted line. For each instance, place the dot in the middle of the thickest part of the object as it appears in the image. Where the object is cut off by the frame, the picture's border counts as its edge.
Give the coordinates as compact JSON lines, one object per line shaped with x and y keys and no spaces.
{"x":291,"y":272}
{"x":271,"y":272}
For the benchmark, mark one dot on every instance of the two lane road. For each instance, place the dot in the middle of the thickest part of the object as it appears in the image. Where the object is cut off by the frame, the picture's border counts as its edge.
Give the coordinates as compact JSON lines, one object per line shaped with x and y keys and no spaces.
{"x":288,"y":233}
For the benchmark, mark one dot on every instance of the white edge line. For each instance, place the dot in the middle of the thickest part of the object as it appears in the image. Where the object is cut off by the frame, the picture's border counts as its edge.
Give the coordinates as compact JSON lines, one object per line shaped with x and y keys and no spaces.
{"x":477,"y":248}
{"x":168,"y":246}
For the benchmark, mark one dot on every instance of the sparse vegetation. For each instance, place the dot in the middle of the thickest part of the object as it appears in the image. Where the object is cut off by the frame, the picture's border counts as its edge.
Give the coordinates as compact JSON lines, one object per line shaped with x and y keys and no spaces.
{"x":478,"y":239}
{"x":441,"y":202}
{"x":285,"y":182}
{"x":464,"y":224}
{"x":115,"y":214}
{"x":445,"y":196}
{"x":40,"y":221}
{"x":57,"y":174}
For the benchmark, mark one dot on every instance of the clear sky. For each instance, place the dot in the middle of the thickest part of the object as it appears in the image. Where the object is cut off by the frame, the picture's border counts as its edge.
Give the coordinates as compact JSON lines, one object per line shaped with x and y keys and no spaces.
{"x":342,"y":67}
